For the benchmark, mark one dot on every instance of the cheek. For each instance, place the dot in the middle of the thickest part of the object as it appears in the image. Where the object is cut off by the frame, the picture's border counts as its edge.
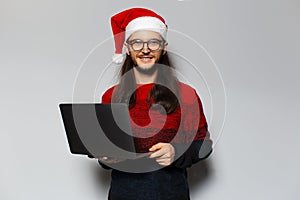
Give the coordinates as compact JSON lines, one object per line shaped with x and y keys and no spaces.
{"x":158,"y":55}
{"x":133,"y":56}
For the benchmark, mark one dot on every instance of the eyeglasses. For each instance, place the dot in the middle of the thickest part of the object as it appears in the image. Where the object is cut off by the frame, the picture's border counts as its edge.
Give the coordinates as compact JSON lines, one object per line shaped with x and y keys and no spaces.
{"x":153,"y":44}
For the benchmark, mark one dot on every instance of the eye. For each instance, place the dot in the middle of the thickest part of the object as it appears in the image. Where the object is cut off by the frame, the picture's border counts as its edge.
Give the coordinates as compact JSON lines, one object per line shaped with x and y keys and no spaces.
{"x":137,"y":41}
{"x":154,"y":42}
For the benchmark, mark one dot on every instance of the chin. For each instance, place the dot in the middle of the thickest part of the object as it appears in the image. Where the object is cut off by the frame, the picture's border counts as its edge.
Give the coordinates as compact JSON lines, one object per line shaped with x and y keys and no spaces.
{"x":146,"y":69}
{"x":146,"y":66}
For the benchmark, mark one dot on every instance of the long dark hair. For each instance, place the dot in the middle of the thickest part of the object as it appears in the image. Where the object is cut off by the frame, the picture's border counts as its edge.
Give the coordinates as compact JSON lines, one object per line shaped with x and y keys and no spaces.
{"x":164,"y":92}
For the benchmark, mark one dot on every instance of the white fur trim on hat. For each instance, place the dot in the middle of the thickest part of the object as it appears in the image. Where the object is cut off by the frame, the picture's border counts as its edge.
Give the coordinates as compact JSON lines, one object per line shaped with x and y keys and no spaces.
{"x":146,"y":23}
{"x":118,"y":58}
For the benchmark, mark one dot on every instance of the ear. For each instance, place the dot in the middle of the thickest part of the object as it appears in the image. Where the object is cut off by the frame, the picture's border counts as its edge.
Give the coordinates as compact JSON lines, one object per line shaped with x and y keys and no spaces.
{"x":165,"y":48}
{"x":126,"y":48}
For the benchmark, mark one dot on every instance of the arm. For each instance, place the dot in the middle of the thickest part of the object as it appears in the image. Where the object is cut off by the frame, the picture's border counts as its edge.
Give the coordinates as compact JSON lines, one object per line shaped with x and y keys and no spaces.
{"x":201,"y":145}
{"x":168,"y":152}
{"x":193,"y":143}
{"x":198,"y":150}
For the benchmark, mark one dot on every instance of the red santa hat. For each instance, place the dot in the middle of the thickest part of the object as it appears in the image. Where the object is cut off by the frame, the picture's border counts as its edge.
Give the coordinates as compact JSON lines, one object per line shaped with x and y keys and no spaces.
{"x":128,"y":21}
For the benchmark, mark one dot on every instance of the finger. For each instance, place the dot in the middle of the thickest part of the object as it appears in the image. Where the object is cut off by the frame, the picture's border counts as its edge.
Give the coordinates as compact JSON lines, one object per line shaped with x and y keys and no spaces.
{"x":157,"y":146}
{"x":165,"y":156}
{"x":158,"y":153}
{"x":108,"y":160}
{"x":162,"y":160}
{"x":164,"y":163}
{"x":103,"y":158}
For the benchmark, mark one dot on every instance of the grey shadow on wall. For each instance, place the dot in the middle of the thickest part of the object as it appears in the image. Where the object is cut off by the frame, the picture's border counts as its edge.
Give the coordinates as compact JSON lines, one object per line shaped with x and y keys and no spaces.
{"x":199,"y":174}
{"x":102,"y":176}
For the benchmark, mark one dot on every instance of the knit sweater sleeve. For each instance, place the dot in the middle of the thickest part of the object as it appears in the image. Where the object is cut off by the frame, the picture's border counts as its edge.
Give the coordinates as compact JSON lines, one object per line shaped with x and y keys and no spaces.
{"x":199,"y":146}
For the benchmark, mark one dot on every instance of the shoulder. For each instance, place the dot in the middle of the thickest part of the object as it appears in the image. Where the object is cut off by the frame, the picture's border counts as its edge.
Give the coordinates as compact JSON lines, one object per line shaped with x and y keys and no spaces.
{"x":106,"y":96}
{"x":188,"y":93}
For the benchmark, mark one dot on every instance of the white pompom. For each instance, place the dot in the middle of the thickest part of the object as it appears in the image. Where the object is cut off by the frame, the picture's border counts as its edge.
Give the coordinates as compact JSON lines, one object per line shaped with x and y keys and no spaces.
{"x":118,"y":58}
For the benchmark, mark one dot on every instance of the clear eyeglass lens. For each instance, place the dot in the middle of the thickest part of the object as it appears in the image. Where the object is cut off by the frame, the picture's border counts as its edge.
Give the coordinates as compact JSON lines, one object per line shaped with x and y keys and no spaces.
{"x":137,"y":45}
{"x":151,"y":44}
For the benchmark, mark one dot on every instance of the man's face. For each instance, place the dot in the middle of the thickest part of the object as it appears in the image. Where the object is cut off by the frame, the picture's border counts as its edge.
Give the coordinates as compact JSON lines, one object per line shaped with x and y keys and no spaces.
{"x":145,"y":58}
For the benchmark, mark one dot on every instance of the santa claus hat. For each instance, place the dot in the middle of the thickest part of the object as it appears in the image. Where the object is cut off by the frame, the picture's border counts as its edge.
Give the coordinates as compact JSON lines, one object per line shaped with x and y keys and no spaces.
{"x":128,"y":21}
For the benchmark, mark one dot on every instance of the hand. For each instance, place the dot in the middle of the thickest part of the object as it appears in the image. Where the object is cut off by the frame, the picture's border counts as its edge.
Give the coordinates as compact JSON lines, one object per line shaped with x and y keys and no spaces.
{"x":110,"y":160}
{"x":164,"y":154}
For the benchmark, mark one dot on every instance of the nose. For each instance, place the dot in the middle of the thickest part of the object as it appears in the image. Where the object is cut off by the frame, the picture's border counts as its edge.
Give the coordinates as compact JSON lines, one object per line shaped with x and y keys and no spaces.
{"x":145,"y":48}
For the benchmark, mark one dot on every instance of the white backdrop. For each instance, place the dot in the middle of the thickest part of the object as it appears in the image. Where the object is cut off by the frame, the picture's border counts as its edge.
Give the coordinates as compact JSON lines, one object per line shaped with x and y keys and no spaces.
{"x":255,"y":45}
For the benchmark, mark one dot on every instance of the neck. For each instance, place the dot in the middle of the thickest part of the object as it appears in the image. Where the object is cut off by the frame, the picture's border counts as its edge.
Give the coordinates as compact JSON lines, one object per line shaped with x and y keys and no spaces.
{"x":144,"y":78}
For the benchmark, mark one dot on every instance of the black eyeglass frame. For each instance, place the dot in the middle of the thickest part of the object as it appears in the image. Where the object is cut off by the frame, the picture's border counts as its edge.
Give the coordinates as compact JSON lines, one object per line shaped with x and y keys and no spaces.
{"x":131,"y":42}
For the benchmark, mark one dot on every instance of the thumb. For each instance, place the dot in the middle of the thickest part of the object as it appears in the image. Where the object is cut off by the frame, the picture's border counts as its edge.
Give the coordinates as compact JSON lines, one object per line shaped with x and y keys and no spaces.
{"x":156,"y":146}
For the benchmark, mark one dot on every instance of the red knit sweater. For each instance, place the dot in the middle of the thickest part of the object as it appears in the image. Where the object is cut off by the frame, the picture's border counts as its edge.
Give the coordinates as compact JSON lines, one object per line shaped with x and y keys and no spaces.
{"x":150,"y":126}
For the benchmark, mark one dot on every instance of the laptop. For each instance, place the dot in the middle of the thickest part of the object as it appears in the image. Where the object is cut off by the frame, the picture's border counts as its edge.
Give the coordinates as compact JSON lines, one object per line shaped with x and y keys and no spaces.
{"x":97,"y":130}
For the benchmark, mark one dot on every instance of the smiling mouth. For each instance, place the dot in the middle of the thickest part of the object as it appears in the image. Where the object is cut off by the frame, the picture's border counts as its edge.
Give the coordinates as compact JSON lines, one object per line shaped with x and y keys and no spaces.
{"x":146,"y":58}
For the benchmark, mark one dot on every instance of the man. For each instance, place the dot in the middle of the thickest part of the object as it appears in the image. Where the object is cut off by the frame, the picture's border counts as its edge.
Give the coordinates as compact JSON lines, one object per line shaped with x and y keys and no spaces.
{"x":166,"y":115}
